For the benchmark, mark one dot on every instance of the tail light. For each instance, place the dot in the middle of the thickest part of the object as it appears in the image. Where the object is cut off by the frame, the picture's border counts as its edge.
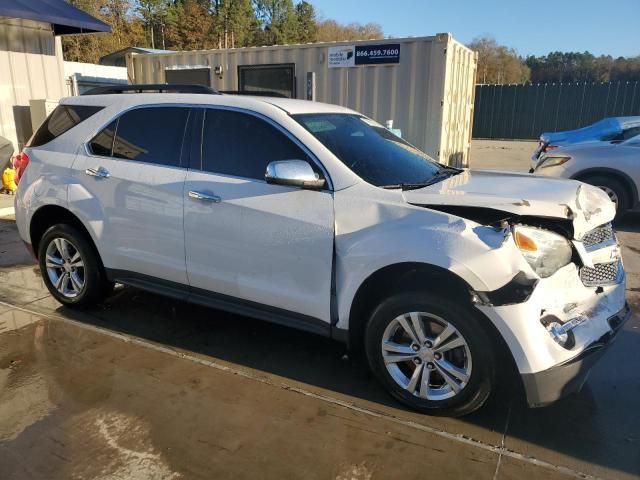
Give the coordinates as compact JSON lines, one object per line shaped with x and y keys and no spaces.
{"x":20,"y":162}
{"x":552,"y":147}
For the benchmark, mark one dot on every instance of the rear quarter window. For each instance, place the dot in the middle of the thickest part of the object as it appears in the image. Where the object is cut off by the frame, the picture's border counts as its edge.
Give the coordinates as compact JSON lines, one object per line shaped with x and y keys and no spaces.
{"x":62,"y":119}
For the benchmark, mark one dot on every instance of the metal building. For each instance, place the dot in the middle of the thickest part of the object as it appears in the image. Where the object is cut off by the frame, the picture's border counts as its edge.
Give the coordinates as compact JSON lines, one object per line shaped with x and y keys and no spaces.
{"x":31,"y":65}
{"x":424,"y":85}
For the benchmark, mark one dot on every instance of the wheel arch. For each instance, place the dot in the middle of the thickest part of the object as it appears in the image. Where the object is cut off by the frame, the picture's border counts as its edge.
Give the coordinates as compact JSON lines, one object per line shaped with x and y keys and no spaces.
{"x":414,"y":276}
{"x":47,"y":216}
{"x":625,"y":179}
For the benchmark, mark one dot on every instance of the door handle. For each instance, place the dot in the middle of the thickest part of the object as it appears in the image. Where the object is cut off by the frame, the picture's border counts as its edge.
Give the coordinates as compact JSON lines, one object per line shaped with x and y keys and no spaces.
{"x":208,"y":197}
{"x":97,"y":172}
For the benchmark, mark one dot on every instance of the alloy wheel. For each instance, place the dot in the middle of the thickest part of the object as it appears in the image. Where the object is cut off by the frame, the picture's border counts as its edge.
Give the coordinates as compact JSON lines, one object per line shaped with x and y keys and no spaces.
{"x":426,"y":355}
{"x":65,"y":267}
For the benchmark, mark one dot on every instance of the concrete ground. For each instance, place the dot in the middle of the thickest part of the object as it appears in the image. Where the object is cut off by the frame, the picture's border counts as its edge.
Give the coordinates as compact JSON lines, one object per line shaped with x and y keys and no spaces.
{"x":147,"y":387}
{"x":513,"y":155}
{"x":6,"y":204}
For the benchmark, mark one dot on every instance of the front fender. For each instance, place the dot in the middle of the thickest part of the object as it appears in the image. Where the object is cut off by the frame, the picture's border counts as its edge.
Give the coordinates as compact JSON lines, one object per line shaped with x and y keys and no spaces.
{"x":374,"y":233}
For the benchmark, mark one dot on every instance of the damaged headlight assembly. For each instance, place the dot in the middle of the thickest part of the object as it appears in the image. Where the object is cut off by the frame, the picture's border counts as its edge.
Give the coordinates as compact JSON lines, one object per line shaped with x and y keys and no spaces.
{"x":552,"y":161}
{"x":545,"y":250}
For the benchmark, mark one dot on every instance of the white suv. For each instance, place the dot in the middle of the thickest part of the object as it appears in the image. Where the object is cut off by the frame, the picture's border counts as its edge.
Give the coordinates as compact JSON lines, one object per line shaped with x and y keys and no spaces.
{"x":314,"y":216}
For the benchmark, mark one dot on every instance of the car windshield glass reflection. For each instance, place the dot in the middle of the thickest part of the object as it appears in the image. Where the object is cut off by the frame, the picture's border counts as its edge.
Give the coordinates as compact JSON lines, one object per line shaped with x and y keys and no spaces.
{"x":373,"y":152}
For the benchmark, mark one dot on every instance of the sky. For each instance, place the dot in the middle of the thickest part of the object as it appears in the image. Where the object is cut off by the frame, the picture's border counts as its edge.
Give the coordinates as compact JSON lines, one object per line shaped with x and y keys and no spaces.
{"x":534,"y":27}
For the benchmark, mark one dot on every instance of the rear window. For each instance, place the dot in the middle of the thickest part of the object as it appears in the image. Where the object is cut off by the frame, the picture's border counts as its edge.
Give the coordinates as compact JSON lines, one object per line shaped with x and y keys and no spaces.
{"x":62,"y":119}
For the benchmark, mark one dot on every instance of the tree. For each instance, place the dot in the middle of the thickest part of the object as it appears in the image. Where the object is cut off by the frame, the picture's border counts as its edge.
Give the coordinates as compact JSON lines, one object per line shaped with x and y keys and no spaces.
{"x":190,"y":27}
{"x":498,"y":63}
{"x":565,"y":67}
{"x":332,"y":31}
{"x":126,"y":30}
{"x":625,"y":69}
{"x":307,"y":28}
{"x":154,"y":15}
{"x":278,"y":19}
{"x":203,"y":24}
{"x":235,"y":23}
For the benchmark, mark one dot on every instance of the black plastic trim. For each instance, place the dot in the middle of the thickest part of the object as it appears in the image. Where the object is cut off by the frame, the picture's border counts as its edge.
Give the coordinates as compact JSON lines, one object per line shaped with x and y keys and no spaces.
{"x":518,"y":290}
{"x":151,"y":87}
{"x":222,"y":302}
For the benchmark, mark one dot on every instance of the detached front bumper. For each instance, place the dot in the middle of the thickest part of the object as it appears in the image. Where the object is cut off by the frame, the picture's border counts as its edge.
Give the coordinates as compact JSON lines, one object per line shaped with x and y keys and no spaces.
{"x":543,"y":388}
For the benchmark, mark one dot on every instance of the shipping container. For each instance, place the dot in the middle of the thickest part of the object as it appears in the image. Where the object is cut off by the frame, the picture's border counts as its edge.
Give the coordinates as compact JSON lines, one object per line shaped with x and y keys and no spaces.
{"x":30,"y":68}
{"x":424,"y":85}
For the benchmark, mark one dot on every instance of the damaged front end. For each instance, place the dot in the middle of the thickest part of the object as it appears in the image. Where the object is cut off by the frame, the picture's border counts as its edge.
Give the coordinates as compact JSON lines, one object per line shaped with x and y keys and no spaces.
{"x":557,"y":315}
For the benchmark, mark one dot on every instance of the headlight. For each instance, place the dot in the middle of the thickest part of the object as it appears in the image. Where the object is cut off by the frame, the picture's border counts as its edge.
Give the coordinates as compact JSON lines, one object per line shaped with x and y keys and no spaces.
{"x":552,"y":161}
{"x":545,"y":251}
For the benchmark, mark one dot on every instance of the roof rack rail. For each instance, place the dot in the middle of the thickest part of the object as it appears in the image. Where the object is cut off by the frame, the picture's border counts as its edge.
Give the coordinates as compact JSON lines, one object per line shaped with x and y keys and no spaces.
{"x":262,"y":93}
{"x":155,"y":87}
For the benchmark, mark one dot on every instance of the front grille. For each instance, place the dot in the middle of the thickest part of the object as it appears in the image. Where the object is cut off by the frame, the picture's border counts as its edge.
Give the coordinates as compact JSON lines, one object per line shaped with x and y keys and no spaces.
{"x":602,"y":274}
{"x":598,"y":235}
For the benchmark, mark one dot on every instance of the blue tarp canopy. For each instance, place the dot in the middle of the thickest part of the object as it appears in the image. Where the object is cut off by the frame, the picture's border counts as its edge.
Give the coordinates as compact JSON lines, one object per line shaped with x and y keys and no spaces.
{"x":600,"y":130}
{"x":65,"y":18}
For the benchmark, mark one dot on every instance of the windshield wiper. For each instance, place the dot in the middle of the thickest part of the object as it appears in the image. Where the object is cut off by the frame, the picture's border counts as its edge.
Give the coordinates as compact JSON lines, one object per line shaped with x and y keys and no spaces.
{"x":441,"y":174}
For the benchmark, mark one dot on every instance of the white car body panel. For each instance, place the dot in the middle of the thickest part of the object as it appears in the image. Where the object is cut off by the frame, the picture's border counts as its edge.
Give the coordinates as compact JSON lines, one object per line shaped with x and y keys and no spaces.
{"x":269,"y":244}
{"x":43,"y":183}
{"x":136,"y":214}
{"x":376,"y":229}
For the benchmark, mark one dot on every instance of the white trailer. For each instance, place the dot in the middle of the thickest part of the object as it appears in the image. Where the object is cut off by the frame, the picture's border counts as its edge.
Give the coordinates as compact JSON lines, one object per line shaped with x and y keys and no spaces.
{"x":424,"y":85}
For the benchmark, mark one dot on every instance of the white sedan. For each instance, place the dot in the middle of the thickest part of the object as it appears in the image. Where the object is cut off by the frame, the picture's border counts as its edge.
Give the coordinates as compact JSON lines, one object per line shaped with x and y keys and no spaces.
{"x":614,"y":167}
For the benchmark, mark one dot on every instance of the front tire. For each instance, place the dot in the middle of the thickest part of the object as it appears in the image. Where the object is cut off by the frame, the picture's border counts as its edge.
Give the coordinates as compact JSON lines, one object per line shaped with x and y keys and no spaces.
{"x":431,"y":354}
{"x":71,"y":268}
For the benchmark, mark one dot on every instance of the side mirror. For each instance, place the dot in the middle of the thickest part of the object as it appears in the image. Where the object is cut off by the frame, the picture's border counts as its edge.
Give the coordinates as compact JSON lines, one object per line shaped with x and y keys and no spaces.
{"x":295,"y":173}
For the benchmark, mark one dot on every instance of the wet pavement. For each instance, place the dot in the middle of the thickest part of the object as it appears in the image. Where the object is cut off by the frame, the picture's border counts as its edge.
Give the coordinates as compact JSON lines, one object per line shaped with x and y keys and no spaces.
{"x":147,"y":387}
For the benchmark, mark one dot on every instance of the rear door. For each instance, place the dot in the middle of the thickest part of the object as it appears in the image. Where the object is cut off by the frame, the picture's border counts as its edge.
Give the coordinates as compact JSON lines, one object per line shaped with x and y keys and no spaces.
{"x":245,"y":238}
{"x":133,"y":177}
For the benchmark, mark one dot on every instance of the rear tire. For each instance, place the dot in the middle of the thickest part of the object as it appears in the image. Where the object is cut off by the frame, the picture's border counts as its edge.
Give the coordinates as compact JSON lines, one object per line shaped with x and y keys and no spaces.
{"x":453,"y":353}
{"x":613,"y":187}
{"x":71,"y":268}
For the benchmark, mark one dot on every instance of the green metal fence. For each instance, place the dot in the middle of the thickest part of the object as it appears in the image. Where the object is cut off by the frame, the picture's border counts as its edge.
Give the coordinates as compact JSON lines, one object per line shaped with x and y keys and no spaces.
{"x":525,"y":111}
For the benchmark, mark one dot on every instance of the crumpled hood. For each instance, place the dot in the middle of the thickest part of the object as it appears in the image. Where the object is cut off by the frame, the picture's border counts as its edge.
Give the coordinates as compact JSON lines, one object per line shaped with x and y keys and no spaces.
{"x":521,"y":194}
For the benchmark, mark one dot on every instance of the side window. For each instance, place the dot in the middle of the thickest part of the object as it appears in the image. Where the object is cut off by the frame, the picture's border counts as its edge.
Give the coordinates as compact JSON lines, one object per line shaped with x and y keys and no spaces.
{"x":62,"y":119}
{"x":152,"y":135}
{"x":631,"y":132}
{"x":102,"y":143}
{"x":239,"y":144}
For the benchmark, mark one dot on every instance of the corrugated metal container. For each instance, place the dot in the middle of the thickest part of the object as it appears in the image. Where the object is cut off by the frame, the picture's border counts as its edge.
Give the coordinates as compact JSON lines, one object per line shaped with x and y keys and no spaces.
{"x":80,"y":77}
{"x":30,"y":68}
{"x":428,"y":92}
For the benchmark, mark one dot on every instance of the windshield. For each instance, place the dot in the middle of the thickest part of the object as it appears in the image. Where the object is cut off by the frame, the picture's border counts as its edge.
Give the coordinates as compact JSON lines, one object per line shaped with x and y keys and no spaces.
{"x":632,"y":142}
{"x":371,"y":151}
